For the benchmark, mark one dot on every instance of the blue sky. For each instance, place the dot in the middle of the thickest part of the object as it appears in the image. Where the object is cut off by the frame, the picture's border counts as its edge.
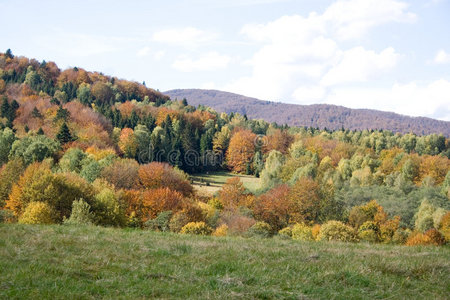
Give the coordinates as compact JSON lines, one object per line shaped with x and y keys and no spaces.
{"x":391,"y":55}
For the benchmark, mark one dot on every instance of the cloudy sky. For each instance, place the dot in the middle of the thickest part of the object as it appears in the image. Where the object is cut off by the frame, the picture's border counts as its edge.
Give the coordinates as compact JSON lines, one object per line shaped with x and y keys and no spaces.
{"x":391,"y":55}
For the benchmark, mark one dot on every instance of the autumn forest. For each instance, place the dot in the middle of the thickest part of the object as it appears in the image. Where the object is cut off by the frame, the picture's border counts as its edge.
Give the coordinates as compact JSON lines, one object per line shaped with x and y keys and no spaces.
{"x":79,"y":147}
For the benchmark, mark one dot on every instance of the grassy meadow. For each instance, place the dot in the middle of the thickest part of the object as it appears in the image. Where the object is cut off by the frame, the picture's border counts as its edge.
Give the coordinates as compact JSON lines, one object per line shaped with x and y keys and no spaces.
{"x":88,"y":262}
{"x":209,"y":183}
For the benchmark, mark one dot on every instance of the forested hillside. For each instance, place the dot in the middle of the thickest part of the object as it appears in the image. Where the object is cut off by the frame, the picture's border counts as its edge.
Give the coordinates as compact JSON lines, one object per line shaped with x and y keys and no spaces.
{"x":80,"y":147}
{"x":316,"y":115}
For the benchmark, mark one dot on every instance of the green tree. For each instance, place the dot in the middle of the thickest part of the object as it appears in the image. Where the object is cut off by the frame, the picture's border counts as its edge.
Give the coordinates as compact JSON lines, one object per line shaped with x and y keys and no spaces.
{"x":64,"y":135}
{"x":7,"y":138}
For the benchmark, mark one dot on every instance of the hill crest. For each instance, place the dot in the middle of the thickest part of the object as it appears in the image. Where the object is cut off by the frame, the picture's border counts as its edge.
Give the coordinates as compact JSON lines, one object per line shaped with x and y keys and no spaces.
{"x":315,"y":115}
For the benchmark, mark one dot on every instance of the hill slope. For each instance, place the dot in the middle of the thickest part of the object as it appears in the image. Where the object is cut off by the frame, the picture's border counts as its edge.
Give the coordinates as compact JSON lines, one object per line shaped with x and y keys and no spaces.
{"x":59,"y":262}
{"x":317,"y":115}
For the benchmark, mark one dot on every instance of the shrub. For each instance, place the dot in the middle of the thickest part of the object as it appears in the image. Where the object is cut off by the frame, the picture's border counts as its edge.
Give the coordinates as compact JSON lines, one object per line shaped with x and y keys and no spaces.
{"x":401,"y":236}
{"x":155,"y":201}
{"x":178,"y":221}
{"x":424,"y":216}
{"x":162,"y":175}
{"x":315,"y":230}
{"x":336,"y":231}
{"x":285,"y":233}
{"x":81,"y":214}
{"x":107,"y":208}
{"x":259,"y":229}
{"x":237,"y":223}
{"x":161,"y":222}
{"x":222,"y":230}
{"x":444,"y":226}
{"x":274,"y":207}
{"x":417,"y":239}
{"x":215,"y":203}
{"x":302,"y":232}
{"x":7,"y":216}
{"x":360,"y":214}
{"x":199,"y":228}
{"x":37,"y":213}
{"x":369,"y":231}
{"x":436,"y":237}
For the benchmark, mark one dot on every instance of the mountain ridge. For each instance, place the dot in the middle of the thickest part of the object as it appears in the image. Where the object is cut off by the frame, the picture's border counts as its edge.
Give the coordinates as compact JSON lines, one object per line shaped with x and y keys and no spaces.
{"x":314,"y":115}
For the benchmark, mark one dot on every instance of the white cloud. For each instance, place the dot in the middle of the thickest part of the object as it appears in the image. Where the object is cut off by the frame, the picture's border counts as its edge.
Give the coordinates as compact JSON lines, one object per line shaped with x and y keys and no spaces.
{"x":358,"y":65}
{"x":442,"y":57}
{"x":187,"y":37}
{"x":299,"y":51}
{"x":159,"y":55}
{"x":207,"y":62}
{"x":353,"y":18}
{"x":413,"y":99}
{"x":143,"y":52}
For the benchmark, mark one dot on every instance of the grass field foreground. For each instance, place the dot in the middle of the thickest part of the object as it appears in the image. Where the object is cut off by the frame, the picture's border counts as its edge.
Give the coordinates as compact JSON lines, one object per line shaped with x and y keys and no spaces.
{"x":55,"y":262}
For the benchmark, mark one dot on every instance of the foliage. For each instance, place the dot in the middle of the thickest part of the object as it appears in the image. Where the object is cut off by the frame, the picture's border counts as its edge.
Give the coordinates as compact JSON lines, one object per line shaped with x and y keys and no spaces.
{"x":444,"y":226}
{"x":259,"y":229}
{"x":274,"y":207}
{"x":302,"y":232}
{"x":199,"y":228}
{"x":222,"y":230}
{"x":232,"y":193}
{"x":240,"y":151}
{"x":158,"y":200}
{"x":160,"y":175}
{"x":81,"y":214}
{"x":34,"y":148}
{"x":122,"y":173}
{"x":424,"y":217}
{"x":336,"y":231}
{"x":285,"y":233}
{"x":305,"y":194}
{"x":107,"y":209}
{"x":37,"y":213}
{"x":161,"y":222}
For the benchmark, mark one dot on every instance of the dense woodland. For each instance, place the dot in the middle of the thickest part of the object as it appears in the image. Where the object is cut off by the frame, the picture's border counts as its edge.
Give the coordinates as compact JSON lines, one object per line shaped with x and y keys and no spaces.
{"x":314,"y":115}
{"x":80,"y":147}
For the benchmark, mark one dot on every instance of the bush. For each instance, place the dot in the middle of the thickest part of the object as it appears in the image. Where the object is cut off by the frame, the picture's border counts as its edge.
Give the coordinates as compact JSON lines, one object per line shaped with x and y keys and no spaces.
{"x":418,"y":239}
{"x":178,"y":221}
{"x":161,"y":222}
{"x":199,"y":228}
{"x":7,"y":216}
{"x":302,"y":232}
{"x":222,"y":230}
{"x":81,"y":214}
{"x":336,"y":231}
{"x":369,"y":231}
{"x":285,"y":233}
{"x":215,"y":203}
{"x":259,"y":229}
{"x":444,"y":226}
{"x":436,"y":237}
{"x":237,"y":223}
{"x":401,"y":236}
{"x":315,"y":230}
{"x":37,"y":213}
{"x":107,"y":208}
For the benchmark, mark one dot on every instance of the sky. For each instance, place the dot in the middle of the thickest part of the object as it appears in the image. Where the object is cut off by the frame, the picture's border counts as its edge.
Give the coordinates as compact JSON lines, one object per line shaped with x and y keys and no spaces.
{"x":390,"y":55}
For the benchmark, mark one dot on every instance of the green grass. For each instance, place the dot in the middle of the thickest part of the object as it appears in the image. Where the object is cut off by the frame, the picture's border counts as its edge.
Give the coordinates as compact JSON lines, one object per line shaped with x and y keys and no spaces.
{"x":218,"y":178}
{"x":55,"y":262}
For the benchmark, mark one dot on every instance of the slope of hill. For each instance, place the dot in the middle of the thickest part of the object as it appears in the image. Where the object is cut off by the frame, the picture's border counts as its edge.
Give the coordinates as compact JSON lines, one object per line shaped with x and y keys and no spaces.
{"x":317,"y":115}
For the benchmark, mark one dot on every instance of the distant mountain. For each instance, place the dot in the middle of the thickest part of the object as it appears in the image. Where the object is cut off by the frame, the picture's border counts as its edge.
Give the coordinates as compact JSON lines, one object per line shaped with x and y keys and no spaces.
{"x":316,"y":115}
